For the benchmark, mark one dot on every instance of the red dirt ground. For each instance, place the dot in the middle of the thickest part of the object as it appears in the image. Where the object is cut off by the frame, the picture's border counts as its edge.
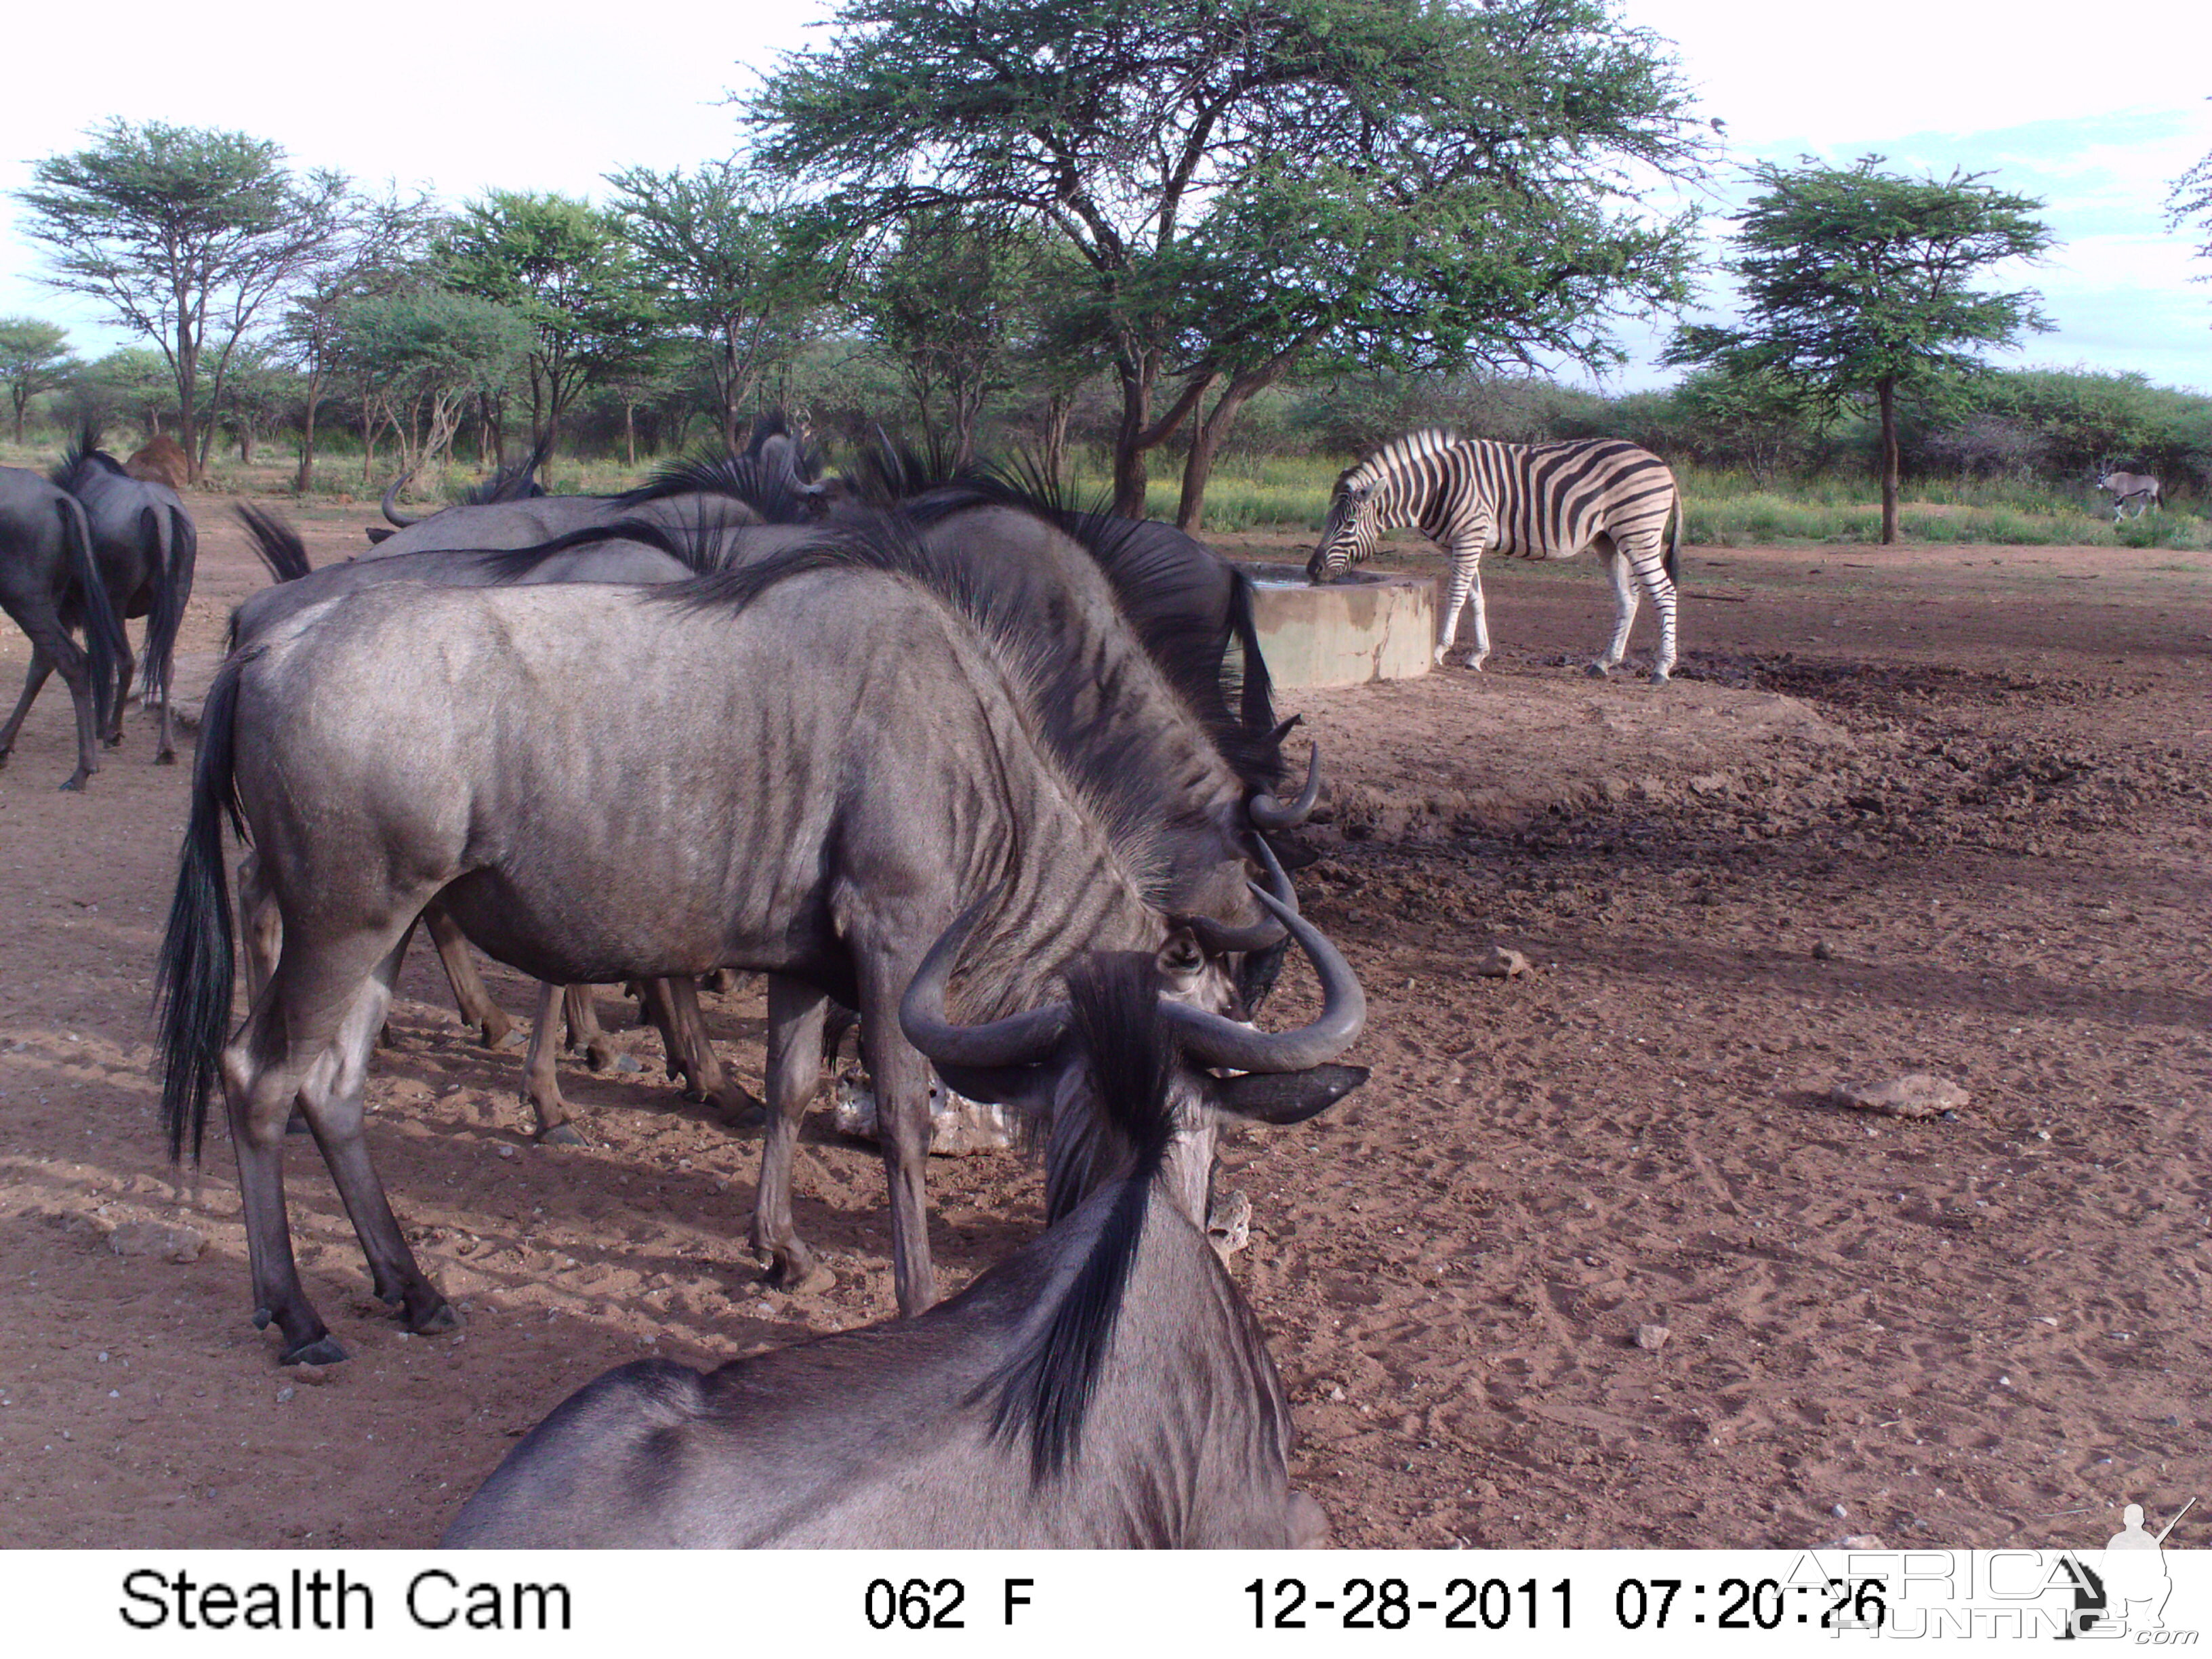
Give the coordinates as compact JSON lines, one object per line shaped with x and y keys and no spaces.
{"x":1907,"y":810}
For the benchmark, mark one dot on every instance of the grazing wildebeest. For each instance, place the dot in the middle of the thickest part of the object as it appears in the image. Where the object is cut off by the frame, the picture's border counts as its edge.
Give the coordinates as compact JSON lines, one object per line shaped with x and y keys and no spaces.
{"x":159,"y":460}
{"x":597,"y":557}
{"x":146,"y":546}
{"x":2124,"y":487}
{"x":50,"y":583}
{"x":1104,"y":1388}
{"x":546,"y":761}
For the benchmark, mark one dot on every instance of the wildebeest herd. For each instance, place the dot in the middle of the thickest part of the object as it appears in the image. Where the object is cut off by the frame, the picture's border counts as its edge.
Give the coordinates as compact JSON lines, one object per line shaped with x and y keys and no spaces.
{"x":997,"y":778}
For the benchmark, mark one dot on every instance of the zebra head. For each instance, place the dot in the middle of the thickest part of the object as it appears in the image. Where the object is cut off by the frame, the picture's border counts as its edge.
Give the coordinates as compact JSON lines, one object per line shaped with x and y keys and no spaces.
{"x":1348,"y":535}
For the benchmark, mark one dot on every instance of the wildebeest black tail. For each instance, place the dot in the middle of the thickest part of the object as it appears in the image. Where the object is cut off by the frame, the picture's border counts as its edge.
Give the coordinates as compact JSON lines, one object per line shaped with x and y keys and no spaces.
{"x":170,"y":598}
{"x":105,"y":646}
{"x":1257,"y":693}
{"x":1047,"y":1387}
{"x":276,"y":543}
{"x":195,"y":975}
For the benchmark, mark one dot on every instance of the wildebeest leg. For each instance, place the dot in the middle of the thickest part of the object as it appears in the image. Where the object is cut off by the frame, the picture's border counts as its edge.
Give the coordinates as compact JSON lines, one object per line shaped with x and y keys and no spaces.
{"x":475,"y":1006}
{"x":41,"y":666}
{"x":673,"y":1005}
{"x":1624,"y":607}
{"x":53,"y":648}
{"x":795,"y":1014}
{"x":901,"y":1077}
{"x":260,"y":926}
{"x":585,"y":1032}
{"x":331,"y":1096}
{"x":541,"y":1086}
{"x":125,"y":665}
{"x":721,"y":981}
{"x":300,"y":1014}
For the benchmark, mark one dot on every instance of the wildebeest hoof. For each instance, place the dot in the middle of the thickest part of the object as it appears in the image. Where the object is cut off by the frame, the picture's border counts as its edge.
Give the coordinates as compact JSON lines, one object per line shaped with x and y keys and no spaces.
{"x":741,"y":1108}
{"x":562,"y":1135}
{"x":440,"y":1319}
{"x":261,"y":1318}
{"x":1229,"y":1224}
{"x":815,"y":1281}
{"x":513,"y":1037}
{"x":599,"y":1055}
{"x":76,"y":783}
{"x":297,"y":1123}
{"x":323,"y":1351}
{"x":166,"y":758}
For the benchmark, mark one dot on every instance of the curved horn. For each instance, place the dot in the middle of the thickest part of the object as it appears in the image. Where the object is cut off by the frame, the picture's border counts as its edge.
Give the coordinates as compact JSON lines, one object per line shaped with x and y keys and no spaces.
{"x":1016,"y":1040}
{"x":1278,"y":883}
{"x":1211,"y":1040}
{"x":1218,"y":939}
{"x":1268,"y":813}
{"x":391,"y":495}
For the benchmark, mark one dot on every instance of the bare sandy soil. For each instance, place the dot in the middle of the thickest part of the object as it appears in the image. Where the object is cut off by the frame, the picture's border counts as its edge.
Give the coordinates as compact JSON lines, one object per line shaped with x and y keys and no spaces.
{"x":1913,"y":810}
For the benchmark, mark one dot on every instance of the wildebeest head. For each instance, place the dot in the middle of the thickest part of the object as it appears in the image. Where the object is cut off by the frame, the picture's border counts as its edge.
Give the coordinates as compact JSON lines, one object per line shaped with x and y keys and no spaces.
{"x":1060,"y":1065}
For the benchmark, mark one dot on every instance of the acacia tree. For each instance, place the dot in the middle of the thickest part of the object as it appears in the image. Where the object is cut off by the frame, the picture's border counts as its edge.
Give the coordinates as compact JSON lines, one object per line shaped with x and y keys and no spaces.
{"x":34,"y":357}
{"x":1250,"y":182}
{"x":420,"y":358}
{"x":181,"y":231}
{"x":377,"y":248}
{"x":737,"y":265}
{"x":563,"y":266}
{"x":1859,"y":284}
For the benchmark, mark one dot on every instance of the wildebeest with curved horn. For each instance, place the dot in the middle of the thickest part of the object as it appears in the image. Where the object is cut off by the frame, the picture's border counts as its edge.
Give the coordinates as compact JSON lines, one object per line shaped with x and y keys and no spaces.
{"x":1105,"y":1387}
{"x":562,"y":831}
{"x":146,"y":547}
{"x":50,"y":583}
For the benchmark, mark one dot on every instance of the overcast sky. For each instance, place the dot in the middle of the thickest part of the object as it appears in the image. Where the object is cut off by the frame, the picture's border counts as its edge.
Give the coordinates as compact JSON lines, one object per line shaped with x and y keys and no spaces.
{"x":2095,"y":120}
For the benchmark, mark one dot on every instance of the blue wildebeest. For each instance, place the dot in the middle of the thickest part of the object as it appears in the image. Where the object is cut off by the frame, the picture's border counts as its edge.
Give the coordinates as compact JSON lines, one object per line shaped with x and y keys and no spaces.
{"x":594,"y":557}
{"x":2126,"y":487}
{"x":146,"y":546}
{"x":543,"y":760}
{"x":50,"y":583}
{"x":1106,"y":1386}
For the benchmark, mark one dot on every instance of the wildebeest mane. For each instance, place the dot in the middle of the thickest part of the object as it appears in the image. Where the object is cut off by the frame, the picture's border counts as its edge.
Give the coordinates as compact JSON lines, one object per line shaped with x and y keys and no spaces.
{"x":83,"y":456}
{"x":1153,"y":582}
{"x":775,"y":486}
{"x":1045,"y":1389}
{"x":513,"y":483}
{"x":1131,"y":796}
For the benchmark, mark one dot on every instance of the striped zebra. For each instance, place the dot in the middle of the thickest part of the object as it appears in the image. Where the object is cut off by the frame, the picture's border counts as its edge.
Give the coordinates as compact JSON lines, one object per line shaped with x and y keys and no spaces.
{"x":1538,"y":501}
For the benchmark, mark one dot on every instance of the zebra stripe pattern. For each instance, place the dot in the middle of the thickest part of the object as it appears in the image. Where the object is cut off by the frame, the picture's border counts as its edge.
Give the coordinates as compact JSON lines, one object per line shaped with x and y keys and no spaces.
{"x":1531,"y":501}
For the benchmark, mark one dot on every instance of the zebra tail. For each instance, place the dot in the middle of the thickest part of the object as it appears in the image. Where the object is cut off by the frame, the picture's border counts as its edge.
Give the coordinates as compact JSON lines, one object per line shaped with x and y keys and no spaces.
{"x":106,"y":648}
{"x":1675,"y":541}
{"x":195,"y":970}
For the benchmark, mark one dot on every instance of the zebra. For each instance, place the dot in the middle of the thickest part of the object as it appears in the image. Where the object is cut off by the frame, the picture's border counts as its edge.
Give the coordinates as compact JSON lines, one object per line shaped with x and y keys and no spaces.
{"x":1539,"y":500}
{"x":2137,"y":487}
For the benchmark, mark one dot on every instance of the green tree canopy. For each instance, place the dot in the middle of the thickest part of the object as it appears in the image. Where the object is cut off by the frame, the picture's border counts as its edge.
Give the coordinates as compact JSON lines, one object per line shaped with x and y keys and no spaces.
{"x":34,"y":357}
{"x":1251,"y":182}
{"x":737,"y":265}
{"x":1858,"y":285}
{"x":420,"y":356}
{"x":564,"y":267}
{"x":185,"y":234}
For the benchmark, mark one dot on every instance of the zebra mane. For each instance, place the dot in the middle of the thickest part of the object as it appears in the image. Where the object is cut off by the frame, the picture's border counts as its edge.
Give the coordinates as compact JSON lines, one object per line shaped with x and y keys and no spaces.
{"x":1414,"y":446}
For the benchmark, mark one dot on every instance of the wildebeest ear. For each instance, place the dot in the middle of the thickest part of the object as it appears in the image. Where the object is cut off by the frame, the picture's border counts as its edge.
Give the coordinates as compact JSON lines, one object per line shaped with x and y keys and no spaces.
{"x":1180,"y":961}
{"x":377,"y":532}
{"x":1029,"y":1086}
{"x":1286,"y":1096}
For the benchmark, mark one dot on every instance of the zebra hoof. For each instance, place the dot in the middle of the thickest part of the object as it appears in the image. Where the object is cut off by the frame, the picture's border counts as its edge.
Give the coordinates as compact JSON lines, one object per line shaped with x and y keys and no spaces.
{"x":1596,"y":671}
{"x":1659,"y":676}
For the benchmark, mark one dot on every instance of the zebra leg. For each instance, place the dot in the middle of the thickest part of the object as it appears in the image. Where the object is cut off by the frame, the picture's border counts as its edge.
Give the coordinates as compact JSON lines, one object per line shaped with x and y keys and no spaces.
{"x":1466,"y":584}
{"x":1651,"y":566}
{"x":1620,"y":567}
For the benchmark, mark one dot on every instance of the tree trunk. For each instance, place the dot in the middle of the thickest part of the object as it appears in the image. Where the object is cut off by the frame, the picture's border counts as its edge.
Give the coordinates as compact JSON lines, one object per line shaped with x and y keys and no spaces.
{"x":1059,"y":407}
{"x":1134,"y":438}
{"x":188,"y":379}
{"x":304,"y":479}
{"x":245,"y":442}
{"x":629,"y":431}
{"x":1205,"y":442}
{"x":1887,"y":391}
{"x":20,"y":401}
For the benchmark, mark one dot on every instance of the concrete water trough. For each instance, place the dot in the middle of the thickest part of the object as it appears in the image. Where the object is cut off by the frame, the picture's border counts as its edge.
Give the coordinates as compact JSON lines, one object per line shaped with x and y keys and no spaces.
{"x":1368,"y":627}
